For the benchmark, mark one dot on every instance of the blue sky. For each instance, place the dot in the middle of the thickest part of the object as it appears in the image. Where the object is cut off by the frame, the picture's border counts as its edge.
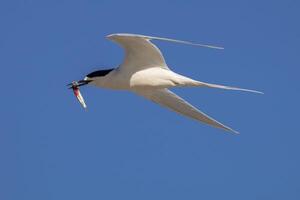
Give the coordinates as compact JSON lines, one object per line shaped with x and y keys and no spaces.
{"x":125,"y":147}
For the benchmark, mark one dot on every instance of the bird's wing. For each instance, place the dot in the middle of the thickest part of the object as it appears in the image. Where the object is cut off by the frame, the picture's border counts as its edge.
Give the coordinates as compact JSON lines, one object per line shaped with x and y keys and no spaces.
{"x":141,"y":53}
{"x":166,"y":98}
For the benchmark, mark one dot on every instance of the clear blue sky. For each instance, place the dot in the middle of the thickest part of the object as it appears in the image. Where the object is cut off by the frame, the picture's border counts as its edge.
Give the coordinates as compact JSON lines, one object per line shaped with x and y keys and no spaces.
{"x":125,"y":147}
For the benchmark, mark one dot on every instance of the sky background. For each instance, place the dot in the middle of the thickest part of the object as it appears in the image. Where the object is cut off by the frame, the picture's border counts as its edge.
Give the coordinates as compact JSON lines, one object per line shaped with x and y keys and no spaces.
{"x":125,"y":147}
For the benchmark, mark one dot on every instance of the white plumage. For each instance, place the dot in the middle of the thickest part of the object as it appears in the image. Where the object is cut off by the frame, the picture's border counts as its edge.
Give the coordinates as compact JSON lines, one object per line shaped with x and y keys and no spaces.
{"x":145,"y":72}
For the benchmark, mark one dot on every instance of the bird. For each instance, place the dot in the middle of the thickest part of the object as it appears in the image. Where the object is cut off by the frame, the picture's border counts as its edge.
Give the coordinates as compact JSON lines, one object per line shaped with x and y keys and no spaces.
{"x":145,"y":72}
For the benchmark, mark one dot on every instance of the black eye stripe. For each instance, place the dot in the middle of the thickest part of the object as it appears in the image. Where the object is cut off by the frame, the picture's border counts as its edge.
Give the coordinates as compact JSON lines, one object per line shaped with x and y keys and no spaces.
{"x":99,"y":73}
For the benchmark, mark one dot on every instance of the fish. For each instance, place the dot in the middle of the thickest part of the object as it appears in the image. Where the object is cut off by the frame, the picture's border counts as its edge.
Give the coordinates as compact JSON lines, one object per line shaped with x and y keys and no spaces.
{"x":77,"y":93}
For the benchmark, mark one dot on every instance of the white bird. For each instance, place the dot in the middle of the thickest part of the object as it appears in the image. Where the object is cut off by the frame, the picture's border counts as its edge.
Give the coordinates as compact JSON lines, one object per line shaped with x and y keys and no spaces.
{"x":145,"y":72}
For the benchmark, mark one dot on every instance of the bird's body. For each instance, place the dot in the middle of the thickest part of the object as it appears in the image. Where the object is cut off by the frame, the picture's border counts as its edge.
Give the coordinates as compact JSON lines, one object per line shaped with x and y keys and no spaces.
{"x":151,"y":78}
{"x":145,"y":72}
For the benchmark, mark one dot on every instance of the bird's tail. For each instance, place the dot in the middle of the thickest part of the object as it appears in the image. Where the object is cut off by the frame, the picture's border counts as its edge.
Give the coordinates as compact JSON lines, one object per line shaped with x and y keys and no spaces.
{"x":210,"y":85}
{"x":183,"y":81}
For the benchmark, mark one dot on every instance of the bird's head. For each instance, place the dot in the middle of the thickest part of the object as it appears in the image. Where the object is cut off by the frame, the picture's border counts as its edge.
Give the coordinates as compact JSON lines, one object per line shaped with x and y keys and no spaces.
{"x":89,"y":78}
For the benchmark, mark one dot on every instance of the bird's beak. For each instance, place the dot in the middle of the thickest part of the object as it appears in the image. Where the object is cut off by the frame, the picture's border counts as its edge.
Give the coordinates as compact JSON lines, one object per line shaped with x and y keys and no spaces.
{"x":78,"y":83}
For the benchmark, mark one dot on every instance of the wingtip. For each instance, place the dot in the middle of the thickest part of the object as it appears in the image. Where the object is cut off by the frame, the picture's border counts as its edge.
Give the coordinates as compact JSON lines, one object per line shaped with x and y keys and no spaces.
{"x":112,"y":36}
{"x":213,"y":47}
{"x":231,"y":131}
{"x":235,"y":132}
{"x":257,"y":92}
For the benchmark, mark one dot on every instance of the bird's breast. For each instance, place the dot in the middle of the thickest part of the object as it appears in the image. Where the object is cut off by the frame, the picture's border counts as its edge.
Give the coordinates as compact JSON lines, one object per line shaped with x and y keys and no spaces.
{"x":152,"y":78}
{"x":113,"y":80}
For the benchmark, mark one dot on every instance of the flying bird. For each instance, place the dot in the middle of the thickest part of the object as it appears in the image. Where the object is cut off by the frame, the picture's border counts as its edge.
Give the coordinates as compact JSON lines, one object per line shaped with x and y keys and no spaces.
{"x":144,"y":71}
